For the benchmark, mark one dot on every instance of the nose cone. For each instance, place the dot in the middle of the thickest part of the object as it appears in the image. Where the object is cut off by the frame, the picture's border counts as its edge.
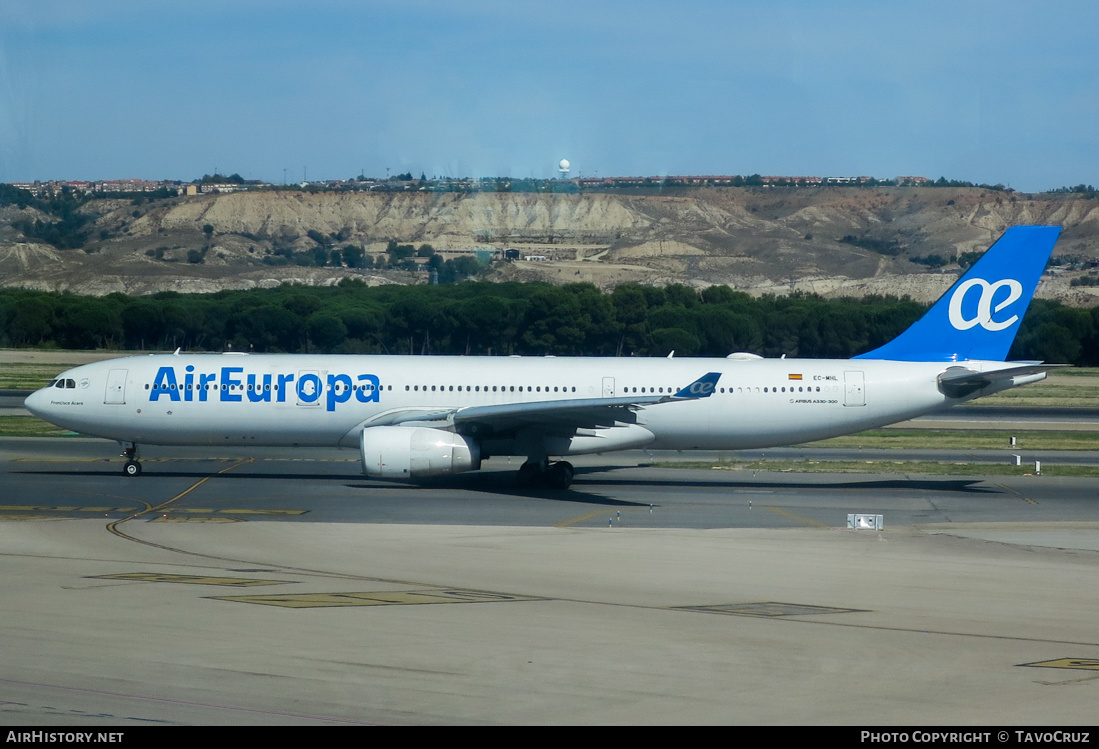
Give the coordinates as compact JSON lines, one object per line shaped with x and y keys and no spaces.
{"x":38,"y":403}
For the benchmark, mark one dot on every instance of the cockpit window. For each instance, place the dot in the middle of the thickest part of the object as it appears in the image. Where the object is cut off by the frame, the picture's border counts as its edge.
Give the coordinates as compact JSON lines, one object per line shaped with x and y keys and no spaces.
{"x":63,"y":384}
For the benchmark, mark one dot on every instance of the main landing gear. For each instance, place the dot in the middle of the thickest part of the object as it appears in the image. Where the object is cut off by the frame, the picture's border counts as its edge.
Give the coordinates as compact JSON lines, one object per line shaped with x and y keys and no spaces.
{"x":131,"y":467}
{"x":542,"y":473}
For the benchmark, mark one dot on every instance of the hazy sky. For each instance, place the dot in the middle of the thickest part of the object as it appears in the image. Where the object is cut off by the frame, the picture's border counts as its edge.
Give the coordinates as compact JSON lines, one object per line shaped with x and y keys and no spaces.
{"x":991,"y":92}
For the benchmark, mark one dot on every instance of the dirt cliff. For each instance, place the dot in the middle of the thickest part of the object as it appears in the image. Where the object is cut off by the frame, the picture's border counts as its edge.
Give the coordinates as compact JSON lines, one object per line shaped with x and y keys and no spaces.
{"x":833,"y":241}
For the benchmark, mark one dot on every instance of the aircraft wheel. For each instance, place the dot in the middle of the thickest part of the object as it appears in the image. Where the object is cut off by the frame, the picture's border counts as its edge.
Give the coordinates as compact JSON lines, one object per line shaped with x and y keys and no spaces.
{"x":529,"y":474}
{"x":132,"y":468}
{"x":559,"y":475}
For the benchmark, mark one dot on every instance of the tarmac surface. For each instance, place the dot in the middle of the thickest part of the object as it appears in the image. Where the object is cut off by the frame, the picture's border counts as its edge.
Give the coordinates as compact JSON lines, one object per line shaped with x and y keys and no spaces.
{"x":281,"y":587}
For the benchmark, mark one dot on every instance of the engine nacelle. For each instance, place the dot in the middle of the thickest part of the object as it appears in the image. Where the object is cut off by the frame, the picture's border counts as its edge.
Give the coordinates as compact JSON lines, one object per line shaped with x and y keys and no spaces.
{"x":408,"y":452}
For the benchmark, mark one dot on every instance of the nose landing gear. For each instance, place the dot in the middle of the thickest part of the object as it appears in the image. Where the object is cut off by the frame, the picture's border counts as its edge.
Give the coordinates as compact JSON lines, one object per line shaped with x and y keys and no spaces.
{"x":131,"y":467}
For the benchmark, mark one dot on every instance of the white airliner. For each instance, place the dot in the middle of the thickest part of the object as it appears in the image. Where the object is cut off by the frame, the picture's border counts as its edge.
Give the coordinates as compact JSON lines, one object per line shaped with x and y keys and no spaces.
{"x":415,"y":416}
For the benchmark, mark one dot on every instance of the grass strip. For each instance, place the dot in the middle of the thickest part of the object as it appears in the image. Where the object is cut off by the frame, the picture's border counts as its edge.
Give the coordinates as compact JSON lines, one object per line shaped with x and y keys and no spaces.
{"x":964,"y":439}
{"x":30,"y":426}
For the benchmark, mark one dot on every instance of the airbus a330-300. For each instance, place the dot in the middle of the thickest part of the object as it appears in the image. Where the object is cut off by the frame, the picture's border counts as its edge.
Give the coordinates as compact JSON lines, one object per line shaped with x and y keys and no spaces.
{"x":415,"y":416}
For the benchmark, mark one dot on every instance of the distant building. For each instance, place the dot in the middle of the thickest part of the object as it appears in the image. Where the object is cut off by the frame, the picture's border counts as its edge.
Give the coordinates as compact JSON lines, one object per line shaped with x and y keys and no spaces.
{"x":792,"y":180}
{"x":56,"y":187}
{"x":130,"y":185}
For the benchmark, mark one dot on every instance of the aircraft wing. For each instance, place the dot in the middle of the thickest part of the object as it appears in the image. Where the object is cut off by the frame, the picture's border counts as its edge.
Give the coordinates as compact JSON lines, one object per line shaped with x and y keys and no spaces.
{"x":556,"y":416}
{"x":567,"y":415}
{"x":958,"y":382}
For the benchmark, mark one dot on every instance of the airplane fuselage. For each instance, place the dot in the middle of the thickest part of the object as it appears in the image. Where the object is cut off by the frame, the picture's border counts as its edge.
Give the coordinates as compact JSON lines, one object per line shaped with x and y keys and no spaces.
{"x":326,"y":401}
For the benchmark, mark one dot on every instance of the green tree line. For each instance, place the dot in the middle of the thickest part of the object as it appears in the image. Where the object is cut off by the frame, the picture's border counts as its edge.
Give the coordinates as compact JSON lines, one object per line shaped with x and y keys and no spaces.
{"x":501,"y":319}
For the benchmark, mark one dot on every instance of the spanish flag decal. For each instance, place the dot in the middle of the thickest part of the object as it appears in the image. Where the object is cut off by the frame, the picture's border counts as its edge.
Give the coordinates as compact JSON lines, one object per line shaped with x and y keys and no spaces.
{"x":794,"y":376}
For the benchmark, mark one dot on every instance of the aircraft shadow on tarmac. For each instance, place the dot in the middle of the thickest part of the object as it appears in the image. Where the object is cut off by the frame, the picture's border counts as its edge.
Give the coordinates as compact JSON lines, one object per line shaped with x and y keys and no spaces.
{"x":502,"y":483}
{"x":966,"y":486}
{"x":193,"y":475}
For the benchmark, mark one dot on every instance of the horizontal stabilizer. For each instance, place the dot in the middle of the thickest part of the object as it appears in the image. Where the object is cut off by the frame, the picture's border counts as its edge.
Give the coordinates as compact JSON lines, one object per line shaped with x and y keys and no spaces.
{"x":958,"y":382}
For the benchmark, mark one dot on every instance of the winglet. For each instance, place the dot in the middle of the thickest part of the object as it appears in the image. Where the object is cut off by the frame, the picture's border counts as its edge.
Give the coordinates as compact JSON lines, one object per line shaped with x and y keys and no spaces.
{"x":703,"y":387}
{"x":978,"y":317}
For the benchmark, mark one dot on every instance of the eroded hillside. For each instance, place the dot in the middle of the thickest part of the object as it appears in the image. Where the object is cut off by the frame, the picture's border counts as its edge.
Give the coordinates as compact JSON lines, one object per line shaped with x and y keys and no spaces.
{"x":833,"y":241}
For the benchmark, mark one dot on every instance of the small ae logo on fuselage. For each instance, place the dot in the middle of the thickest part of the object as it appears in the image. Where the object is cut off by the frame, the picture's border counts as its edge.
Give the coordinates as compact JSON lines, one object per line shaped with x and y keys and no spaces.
{"x":701,"y":388}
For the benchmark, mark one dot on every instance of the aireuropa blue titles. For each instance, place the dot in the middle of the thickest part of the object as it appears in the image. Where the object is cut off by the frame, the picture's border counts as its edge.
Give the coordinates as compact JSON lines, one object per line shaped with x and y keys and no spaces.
{"x":231,"y":385}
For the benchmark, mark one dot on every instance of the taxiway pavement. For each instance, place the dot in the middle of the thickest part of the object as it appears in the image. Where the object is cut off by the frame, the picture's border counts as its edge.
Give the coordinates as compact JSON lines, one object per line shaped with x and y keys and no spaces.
{"x":283,"y":587}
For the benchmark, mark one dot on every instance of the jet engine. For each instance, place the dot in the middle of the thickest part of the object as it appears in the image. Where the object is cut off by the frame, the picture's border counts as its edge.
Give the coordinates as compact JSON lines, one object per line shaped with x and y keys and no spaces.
{"x":410,"y":452}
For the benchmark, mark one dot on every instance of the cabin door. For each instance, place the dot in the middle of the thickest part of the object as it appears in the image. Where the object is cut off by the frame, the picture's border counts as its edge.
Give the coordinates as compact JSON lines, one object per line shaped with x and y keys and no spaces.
{"x":854,"y":389}
{"x":116,"y":387}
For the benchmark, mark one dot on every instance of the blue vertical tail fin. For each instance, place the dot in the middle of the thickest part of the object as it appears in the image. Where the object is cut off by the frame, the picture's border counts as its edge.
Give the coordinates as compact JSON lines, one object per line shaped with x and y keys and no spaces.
{"x":980,"y":314}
